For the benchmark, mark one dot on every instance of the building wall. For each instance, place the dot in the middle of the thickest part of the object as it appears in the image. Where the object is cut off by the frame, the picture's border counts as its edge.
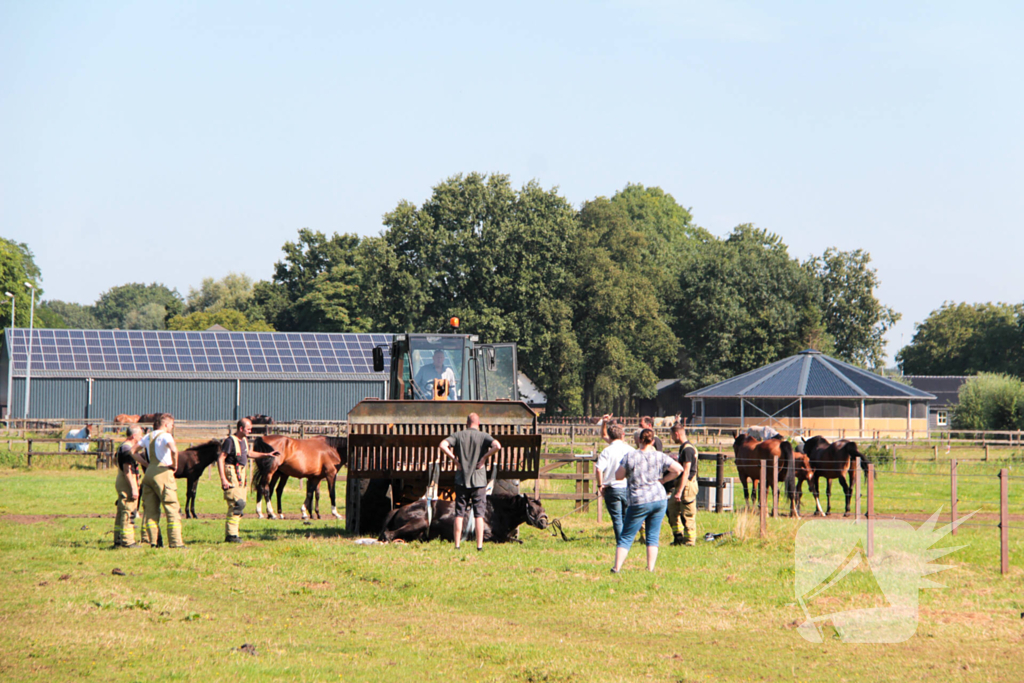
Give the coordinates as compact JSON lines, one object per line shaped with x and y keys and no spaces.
{"x":830,"y":427}
{"x":192,"y":400}
{"x":287,"y":401}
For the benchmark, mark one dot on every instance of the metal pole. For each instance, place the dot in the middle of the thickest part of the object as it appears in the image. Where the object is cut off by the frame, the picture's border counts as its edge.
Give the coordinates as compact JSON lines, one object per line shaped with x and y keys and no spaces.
{"x":952,"y":496}
{"x":31,"y":337}
{"x":871,"y":510}
{"x":762,"y":495}
{"x":720,"y":482}
{"x":856,"y":486}
{"x":775,"y":486}
{"x":1004,"y":522}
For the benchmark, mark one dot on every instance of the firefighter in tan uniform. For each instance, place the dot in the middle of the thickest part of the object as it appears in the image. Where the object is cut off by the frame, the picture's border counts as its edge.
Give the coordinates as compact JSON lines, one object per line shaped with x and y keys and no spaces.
{"x":231,"y":462}
{"x":158,"y":485}
{"x":684,"y":497}
{"x":127,"y":486}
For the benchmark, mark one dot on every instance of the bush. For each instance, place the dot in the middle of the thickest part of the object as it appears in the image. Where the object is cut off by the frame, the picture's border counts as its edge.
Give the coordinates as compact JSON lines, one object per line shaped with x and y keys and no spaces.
{"x":990,"y":401}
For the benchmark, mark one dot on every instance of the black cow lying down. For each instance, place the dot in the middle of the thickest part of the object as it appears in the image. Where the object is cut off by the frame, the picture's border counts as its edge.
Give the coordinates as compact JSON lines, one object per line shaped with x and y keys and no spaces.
{"x":503,"y":517}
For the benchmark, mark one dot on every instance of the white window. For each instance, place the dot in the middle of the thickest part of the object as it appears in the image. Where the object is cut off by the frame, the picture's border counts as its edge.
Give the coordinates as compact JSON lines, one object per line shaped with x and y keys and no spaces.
{"x":942,"y":418}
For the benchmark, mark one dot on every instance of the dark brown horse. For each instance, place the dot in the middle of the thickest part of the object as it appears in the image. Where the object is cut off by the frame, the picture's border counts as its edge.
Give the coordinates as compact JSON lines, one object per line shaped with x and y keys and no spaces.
{"x":278,"y":457}
{"x":192,"y":462}
{"x":504,"y":514}
{"x":832,"y":461}
{"x":750,"y":452}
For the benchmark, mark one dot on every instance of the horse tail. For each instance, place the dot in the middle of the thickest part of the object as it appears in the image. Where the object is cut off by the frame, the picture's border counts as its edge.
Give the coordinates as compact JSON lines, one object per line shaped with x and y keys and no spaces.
{"x":864,"y":462}
{"x":787,"y":457}
{"x":264,"y":467}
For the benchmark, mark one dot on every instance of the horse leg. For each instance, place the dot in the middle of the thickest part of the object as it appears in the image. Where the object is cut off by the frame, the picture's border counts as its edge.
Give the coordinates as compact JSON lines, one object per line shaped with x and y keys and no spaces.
{"x":331,"y":480}
{"x":746,"y":495}
{"x":280,"y":489}
{"x":190,"y":497}
{"x":828,"y":497}
{"x":848,"y":492}
{"x":311,"y":485}
{"x":814,"y":486}
{"x":316,"y":499}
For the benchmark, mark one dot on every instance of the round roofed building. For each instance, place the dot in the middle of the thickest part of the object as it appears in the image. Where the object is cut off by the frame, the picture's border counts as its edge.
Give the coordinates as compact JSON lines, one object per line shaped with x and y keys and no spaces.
{"x":811,"y":393}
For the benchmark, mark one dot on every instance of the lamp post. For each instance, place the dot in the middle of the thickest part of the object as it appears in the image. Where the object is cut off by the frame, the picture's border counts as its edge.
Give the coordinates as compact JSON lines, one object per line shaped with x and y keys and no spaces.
{"x":10,"y":368}
{"x":31,"y":337}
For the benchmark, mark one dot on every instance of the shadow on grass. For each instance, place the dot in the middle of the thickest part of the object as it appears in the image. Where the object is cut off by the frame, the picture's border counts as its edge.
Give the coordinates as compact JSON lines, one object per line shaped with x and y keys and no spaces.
{"x":296,"y":532}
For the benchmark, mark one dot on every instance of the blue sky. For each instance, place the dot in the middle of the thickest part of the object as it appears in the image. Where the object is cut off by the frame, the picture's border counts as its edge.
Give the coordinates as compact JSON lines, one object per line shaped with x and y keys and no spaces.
{"x":173,"y":141}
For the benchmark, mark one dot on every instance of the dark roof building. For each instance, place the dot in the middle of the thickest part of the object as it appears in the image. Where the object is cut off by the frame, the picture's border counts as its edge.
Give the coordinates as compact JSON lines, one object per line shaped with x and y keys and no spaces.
{"x":812,"y":391}
{"x":202,"y":376}
{"x":947,"y":394}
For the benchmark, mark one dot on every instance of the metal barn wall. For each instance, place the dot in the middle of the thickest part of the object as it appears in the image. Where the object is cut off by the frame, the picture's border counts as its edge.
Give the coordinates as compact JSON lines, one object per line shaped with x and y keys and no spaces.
{"x":200,"y":400}
{"x":58,"y":398}
{"x":305,"y":400}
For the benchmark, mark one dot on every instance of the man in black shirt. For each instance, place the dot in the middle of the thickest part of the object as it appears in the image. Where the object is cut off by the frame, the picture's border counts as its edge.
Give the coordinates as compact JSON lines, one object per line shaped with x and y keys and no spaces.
{"x":231,"y":462}
{"x":471,"y":448}
{"x":683,"y":499}
{"x":647,"y":423}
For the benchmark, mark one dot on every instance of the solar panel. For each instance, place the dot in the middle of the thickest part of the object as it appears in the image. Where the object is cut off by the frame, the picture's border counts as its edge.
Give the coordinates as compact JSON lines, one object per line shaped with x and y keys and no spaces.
{"x":165,"y":351}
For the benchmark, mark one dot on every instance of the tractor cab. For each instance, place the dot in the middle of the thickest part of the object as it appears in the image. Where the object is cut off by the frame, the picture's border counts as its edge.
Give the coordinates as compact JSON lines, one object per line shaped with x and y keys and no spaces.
{"x":449,"y":367}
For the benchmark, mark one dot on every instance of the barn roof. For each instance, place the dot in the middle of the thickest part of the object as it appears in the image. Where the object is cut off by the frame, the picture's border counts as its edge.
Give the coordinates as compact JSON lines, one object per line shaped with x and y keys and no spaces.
{"x":195,"y":355}
{"x":811,"y":374}
{"x":945,"y":387}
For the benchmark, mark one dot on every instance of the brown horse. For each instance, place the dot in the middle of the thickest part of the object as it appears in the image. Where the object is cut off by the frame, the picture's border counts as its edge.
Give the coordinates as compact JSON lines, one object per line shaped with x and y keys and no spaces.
{"x":192,"y":462}
{"x":832,"y":461}
{"x":278,"y":457}
{"x":750,"y":452}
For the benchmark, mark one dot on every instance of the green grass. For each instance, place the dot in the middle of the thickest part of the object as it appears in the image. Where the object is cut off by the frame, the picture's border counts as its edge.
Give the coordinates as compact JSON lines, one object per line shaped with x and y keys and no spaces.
{"x":318,"y":607}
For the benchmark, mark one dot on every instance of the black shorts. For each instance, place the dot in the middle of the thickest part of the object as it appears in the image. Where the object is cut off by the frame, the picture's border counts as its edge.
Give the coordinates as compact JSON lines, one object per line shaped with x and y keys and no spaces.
{"x":465,"y":496}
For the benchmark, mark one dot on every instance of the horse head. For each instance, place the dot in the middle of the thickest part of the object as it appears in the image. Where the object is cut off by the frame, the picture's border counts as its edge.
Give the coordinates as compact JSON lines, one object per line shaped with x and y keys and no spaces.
{"x":534,"y":512}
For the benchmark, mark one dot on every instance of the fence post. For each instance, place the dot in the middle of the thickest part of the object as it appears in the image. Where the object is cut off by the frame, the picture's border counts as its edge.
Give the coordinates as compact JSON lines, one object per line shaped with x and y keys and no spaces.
{"x":597,"y":488}
{"x":762,"y":496}
{"x":791,"y":483}
{"x":1004,"y":522}
{"x":585,"y":486}
{"x":775,"y":487}
{"x":871,"y":510}
{"x":572,"y":433}
{"x":856,"y":488}
{"x":28,"y":454}
{"x":720,"y":482}
{"x":935,"y":453}
{"x":986,"y":452}
{"x":952,"y":496}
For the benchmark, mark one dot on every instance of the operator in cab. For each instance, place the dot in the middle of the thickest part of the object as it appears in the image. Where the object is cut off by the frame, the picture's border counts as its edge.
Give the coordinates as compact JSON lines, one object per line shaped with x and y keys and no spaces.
{"x":424,"y":383}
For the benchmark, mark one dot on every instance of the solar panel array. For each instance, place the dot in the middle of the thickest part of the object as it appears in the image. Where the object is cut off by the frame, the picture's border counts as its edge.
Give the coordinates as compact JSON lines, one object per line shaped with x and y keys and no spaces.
{"x":166,"y":351}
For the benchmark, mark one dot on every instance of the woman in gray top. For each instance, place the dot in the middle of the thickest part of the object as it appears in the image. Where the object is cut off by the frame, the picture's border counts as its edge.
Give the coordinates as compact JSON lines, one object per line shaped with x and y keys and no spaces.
{"x":645,"y":470}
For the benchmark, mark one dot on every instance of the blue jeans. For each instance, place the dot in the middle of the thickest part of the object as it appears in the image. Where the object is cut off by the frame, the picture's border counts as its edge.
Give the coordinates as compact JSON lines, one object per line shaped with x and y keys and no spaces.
{"x":650,"y":514}
{"x":617,"y":502}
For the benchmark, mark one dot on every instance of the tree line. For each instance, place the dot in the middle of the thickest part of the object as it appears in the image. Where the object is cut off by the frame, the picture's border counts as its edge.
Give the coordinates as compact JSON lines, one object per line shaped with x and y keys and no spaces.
{"x":602,"y":300}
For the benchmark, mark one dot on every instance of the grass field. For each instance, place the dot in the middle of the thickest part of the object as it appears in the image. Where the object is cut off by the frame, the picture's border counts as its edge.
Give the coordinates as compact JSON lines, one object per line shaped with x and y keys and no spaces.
{"x":316,"y":606}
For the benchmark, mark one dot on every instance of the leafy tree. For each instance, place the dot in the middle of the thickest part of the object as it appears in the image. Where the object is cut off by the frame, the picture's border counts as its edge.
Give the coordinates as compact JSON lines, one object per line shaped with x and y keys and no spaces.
{"x":618,"y":318}
{"x":226,"y":317}
{"x":75,"y":316}
{"x":483,"y":251}
{"x":990,"y":401}
{"x":965,"y":339}
{"x":854,"y":319}
{"x":233,"y":291}
{"x":743,"y":303}
{"x":315,"y":287}
{"x":128,"y":306}
{"x":17,"y":266}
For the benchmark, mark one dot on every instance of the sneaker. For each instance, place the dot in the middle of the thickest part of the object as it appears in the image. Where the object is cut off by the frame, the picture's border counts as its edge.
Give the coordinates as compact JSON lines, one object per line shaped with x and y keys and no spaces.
{"x":232,"y":539}
{"x":614,"y":570}
{"x":131,"y":545}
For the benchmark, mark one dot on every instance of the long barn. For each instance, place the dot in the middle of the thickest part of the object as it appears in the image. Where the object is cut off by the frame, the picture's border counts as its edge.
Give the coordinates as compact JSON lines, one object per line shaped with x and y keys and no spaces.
{"x":198,"y":376}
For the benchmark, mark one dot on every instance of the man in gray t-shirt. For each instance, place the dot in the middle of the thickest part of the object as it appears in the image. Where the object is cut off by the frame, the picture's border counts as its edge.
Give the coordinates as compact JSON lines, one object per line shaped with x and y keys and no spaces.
{"x":471,"y":448}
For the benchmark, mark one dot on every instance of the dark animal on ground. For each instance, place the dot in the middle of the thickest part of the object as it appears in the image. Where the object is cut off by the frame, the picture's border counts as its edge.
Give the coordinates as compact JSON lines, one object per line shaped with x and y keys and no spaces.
{"x":126,"y":419}
{"x":750,"y":452}
{"x":832,"y":461}
{"x":502,"y":519}
{"x":277,"y":457}
{"x":83,"y":433}
{"x":192,"y":462}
